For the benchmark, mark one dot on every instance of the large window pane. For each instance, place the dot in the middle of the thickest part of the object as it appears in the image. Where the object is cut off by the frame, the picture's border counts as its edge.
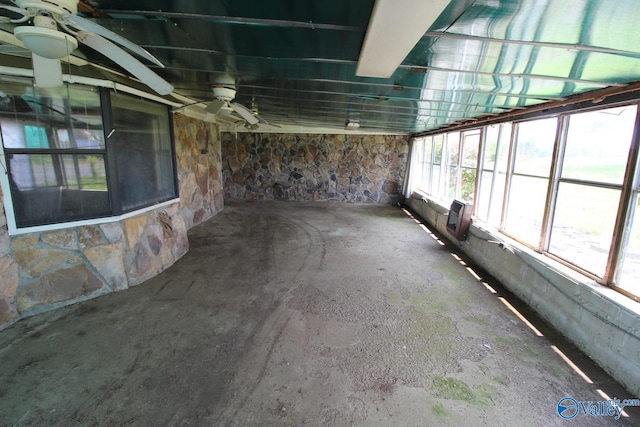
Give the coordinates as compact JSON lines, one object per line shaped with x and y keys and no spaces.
{"x":65,"y":118}
{"x":490,"y":147}
{"x":469,"y":161}
{"x":527,"y":197}
{"x":496,"y":154}
{"x":453,"y":148}
{"x":470,"y":147}
{"x":527,"y":194}
{"x":437,"y":149}
{"x":428,"y":162}
{"x":417,"y":159}
{"x":55,"y":188}
{"x":436,"y":177}
{"x":598,"y":144}
{"x":496,"y":149}
{"x":452,"y":184}
{"x":534,"y":147}
{"x":491,"y":196}
{"x":468,"y":185}
{"x":426,"y":178}
{"x":54,"y":144}
{"x":583,"y":225}
{"x":435,"y":182}
{"x":629,"y":264}
{"x":143,"y":153}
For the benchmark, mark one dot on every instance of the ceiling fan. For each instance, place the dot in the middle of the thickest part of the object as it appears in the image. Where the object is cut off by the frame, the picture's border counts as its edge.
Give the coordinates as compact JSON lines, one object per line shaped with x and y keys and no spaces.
{"x":222,"y":106}
{"x":224,"y":91}
{"x":48,"y":44}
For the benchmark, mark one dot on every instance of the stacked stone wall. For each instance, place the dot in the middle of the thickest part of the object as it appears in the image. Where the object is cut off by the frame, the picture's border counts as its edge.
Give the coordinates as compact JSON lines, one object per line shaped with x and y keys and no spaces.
{"x":199,"y":160}
{"x":47,"y":269}
{"x":353,"y":168}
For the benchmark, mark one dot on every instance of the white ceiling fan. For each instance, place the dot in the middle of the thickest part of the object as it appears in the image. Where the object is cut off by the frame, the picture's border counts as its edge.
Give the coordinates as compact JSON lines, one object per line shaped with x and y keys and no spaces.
{"x":48,"y":44}
{"x":222,"y":106}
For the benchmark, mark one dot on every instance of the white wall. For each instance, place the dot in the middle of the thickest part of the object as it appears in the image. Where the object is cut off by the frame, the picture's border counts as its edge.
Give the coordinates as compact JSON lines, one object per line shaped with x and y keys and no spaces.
{"x":600,"y":321}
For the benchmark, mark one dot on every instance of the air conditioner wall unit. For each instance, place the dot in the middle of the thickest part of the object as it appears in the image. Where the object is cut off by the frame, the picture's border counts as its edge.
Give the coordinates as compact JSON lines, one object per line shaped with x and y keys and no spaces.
{"x":459,"y":219}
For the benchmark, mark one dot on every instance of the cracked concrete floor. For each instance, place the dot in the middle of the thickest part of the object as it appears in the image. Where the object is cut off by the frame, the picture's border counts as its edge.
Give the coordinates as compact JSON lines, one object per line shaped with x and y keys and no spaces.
{"x":296,"y":314}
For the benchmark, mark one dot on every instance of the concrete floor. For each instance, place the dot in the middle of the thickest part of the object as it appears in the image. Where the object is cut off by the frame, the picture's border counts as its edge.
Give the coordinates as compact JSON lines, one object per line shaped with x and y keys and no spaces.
{"x":297,"y":314}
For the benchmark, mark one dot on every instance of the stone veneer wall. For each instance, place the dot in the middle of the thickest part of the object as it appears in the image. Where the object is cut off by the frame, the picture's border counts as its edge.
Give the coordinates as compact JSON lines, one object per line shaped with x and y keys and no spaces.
{"x":199,"y":160}
{"x":354,"y":168}
{"x":44,"y":270}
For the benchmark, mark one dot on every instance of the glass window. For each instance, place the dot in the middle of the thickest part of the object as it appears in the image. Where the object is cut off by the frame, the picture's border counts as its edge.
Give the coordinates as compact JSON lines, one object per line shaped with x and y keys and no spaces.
{"x":583,"y":225}
{"x":494,"y":172}
{"x":572,"y":214}
{"x":598,"y":144}
{"x":419,"y":178}
{"x":629,"y":264}
{"x":427,"y":166}
{"x":55,"y":188}
{"x":415,"y":170}
{"x":55,"y":153}
{"x":534,"y":147}
{"x":437,"y":178}
{"x":527,"y":197}
{"x":594,"y":162}
{"x":452,"y":186}
{"x":528,"y":188}
{"x":57,"y":156}
{"x":453,"y":148}
{"x":469,"y":162}
{"x":142,"y":150}
{"x":437,"y":148}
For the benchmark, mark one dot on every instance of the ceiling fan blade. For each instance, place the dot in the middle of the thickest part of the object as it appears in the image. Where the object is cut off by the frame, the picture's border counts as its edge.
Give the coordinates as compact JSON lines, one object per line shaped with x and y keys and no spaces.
{"x":245,"y":113}
{"x":25,"y":13}
{"x":266,"y":122}
{"x":91,"y":27}
{"x":214,"y":106}
{"x":10,"y":38}
{"x":47,"y":73}
{"x":14,"y":9}
{"x":126,"y":61}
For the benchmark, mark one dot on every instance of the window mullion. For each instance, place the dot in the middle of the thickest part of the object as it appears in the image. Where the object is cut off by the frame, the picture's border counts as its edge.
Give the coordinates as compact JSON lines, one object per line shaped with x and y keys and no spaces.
{"x":496,"y":171}
{"x":554,"y":181}
{"x":109,"y":158}
{"x":431,"y":160}
{"x":509,"y":175}
{"x":459,"y":167}
{"x":479,"y":164}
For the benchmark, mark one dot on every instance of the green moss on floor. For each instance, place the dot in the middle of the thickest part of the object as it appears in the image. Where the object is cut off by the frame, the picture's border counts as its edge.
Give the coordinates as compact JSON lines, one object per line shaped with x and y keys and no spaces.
{"x":454,"y":389}
{"x":483,"y":396}
{"x":451,"y":388}
{"x":439,"y":410}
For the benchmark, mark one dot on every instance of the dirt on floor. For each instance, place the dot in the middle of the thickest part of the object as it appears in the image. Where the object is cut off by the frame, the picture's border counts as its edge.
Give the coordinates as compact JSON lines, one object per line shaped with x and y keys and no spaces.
{"x":292,"y":314}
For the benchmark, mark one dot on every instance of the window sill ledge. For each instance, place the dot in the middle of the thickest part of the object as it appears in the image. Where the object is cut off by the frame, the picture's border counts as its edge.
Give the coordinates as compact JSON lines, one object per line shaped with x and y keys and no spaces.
{"x":13,"y":231}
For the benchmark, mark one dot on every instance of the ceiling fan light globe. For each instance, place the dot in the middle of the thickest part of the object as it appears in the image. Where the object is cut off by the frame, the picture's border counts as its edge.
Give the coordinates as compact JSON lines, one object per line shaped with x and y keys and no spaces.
{"x":45,"y":42}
